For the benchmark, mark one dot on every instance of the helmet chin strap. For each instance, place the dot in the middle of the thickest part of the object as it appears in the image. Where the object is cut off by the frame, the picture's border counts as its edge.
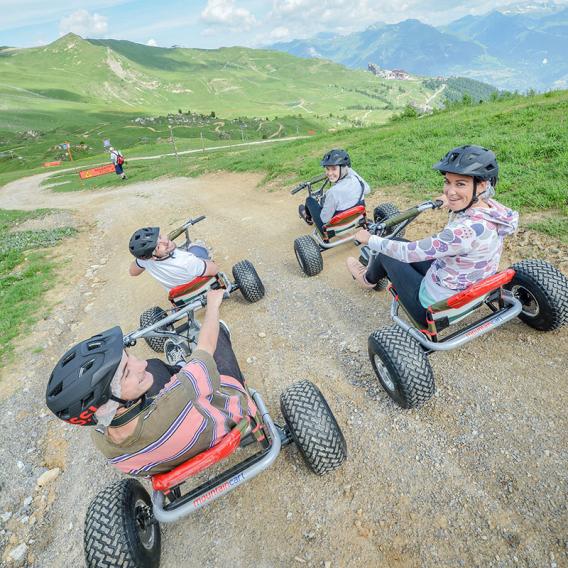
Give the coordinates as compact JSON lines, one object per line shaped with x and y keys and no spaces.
{"x":342,"y":172}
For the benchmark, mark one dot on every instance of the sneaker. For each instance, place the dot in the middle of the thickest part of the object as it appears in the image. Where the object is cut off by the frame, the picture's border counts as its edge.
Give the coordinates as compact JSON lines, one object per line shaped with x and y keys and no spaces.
{"x":305,"y":215}
{"x":358,"y":271}
{"x":175,"y":353}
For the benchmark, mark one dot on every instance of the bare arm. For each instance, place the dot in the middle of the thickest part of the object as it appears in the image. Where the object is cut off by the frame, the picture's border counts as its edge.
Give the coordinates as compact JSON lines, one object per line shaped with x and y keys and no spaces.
{"x":210,"y":268}
{"x":135,"y":270}
{"x":209,"y":332}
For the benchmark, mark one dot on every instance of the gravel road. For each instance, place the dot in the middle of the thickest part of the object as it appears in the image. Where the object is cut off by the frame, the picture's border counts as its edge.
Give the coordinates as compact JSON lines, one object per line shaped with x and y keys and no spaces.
{"x":477,"y":477}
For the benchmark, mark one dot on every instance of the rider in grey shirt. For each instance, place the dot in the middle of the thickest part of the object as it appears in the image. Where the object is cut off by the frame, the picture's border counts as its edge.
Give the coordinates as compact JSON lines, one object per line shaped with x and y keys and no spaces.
{"x":348,"y":190}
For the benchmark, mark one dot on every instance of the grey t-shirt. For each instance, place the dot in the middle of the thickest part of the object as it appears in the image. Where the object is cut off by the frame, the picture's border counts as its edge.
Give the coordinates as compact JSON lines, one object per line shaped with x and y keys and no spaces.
{"x":346,"y":193}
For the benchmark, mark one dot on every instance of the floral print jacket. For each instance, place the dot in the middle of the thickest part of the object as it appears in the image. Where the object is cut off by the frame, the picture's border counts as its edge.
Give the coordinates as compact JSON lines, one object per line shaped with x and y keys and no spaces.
{"x":468,"y":249}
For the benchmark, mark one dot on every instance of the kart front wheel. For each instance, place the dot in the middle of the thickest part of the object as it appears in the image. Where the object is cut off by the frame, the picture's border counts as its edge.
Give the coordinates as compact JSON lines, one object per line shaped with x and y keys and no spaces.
{"x":308,"y":255}
{"x":543,"y":292}
{"x":150,"y":317}
{"x":383,"y":212}
{"x":313,"y":427}
{"x":402,"y":366}
{"x":249,"y":282}
{"x":120,"y":529}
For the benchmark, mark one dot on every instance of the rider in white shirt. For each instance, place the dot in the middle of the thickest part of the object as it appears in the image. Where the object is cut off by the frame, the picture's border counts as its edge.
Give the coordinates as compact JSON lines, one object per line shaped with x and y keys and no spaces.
{"x":168,"y":264}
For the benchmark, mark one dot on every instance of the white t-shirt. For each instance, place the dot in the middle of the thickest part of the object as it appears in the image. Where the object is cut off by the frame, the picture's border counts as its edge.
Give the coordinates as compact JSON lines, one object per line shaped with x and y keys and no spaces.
{"x":345,"y":194}
{"x":180,"y":268}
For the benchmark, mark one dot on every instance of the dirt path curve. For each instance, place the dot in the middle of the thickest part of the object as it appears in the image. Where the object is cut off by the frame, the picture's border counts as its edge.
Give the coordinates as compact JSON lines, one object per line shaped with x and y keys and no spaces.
{"x":477,"y":477}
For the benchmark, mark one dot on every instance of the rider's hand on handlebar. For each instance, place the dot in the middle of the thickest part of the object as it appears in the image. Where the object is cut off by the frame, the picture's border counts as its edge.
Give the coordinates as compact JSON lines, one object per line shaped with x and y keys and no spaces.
{"x":362,"y":236}
{"x":443,"y":199}
{"x":215,"y":297}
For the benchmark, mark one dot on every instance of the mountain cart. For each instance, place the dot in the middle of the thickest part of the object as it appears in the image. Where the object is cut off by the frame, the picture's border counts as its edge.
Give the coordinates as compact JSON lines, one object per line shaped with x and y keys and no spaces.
{"x":122,"y":526}
{"x":339,"y":231}
{"x":159,"y":322}
{"x":532,"y":290}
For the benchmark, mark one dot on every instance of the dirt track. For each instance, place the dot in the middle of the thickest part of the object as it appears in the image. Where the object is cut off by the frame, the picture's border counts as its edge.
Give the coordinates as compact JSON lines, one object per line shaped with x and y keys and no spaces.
{"x":477,"y":477}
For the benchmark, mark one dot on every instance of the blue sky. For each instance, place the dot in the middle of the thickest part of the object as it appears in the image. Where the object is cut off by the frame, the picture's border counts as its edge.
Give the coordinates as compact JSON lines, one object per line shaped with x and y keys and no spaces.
{"x":216,"y":23}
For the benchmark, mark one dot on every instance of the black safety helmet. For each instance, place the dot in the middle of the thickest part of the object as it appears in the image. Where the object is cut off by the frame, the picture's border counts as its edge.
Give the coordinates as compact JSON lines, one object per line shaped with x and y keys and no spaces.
{"x":80,"y":382}
{"x":474,"y":161}
{"x":144,"y":241}
{"x":336,"y":157}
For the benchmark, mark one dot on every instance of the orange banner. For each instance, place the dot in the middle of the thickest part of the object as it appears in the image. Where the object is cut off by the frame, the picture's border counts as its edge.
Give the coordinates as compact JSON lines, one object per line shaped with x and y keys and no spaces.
{"x":50,"y":164}
{"x":93,"y":172}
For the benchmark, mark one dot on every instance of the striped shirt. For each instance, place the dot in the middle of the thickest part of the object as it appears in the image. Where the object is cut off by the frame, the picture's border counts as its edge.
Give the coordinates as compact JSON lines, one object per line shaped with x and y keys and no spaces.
{"x":191,"y":414}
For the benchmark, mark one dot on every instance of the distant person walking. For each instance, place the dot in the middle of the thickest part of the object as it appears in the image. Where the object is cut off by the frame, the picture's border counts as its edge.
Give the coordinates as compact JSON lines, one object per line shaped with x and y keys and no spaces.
{"x":117,"y":159}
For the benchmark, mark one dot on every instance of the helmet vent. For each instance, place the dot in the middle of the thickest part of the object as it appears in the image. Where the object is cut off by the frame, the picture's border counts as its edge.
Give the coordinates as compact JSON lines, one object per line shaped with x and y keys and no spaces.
{"x":57,"y":390}
{"x":86,"y":367}
{"x":94,"y":345}
{"x":67,"y":359}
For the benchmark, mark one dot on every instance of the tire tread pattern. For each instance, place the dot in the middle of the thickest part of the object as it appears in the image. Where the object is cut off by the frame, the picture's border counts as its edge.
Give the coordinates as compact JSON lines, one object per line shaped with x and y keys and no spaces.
{"x":313,"y":427}
{"x":404,"y":357}
{"x":249,"y":282}
{"x":309,"y":255}
{"x":105,"y":537}
{"x":150,"y":317}
{"x":542,"y":278}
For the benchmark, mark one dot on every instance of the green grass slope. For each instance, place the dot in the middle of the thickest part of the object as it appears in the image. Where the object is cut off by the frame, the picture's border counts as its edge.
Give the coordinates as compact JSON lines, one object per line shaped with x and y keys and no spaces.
{"x":529,"y":135}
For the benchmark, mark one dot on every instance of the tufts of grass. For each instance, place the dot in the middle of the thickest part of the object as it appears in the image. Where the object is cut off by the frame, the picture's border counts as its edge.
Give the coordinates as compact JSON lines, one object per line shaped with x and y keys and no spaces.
{"x":26,"y":273}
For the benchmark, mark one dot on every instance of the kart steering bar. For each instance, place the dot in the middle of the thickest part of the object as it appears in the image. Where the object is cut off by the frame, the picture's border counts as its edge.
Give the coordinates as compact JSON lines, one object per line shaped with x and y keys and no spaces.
{"x":177,"y":232}
{"x":130,"y":339}
{"x":305,"y":184}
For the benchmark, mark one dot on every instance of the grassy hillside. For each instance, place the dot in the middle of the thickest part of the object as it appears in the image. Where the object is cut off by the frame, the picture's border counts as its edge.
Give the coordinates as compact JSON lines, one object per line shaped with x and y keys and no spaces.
{"x":86,"y":91}
{"x":528,"y":134}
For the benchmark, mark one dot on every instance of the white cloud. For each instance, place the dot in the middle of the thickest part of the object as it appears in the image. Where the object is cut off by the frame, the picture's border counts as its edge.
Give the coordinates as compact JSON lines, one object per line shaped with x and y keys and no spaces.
{"x":34,"y":12}
{"x":152,"y":42}
{"x":84,"y":24}
{"x":225,"y":13}
{"x":279,"y":33}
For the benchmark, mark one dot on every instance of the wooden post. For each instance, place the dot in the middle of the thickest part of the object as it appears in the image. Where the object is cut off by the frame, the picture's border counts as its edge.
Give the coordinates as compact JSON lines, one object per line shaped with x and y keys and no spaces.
{"x":69,"y":151}
{"x":173,"y":142}
{"x":202,"y":143}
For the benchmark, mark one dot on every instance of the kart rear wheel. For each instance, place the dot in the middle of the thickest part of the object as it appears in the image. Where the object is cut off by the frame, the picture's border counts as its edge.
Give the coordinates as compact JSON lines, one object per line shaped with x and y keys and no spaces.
{"x":402,"y":366}
{"x":543,"y":291}
{"x":249,"y":282}
{"x":120,"y":529}
{"x":313,"y":427}
{"x":150,"y":317}
{"x":384,"y":211}
{"x":308,"y":255}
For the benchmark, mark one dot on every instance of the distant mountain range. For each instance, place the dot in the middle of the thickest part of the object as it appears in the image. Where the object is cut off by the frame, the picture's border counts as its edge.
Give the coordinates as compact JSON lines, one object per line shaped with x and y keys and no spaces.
{"x":522,"y":47}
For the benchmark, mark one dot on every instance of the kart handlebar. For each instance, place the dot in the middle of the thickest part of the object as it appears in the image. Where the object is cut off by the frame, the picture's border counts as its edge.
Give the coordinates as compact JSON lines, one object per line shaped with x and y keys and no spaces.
{"x":129,"y":340}
{"x":299,"y":187}
{"x":406,"y":215}
{"x":177,"y":232}
{"x":309,"y":183}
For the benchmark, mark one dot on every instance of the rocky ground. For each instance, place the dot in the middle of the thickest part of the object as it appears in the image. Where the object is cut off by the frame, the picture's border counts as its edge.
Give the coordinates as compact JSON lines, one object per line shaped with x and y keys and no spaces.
{"x":477,"y":477}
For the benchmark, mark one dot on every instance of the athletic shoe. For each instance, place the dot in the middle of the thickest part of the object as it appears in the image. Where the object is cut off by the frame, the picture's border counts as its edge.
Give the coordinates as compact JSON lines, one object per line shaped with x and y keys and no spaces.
{"x":358,"y":271}
{"x":175,"y":354}
{"x":303,"y":212}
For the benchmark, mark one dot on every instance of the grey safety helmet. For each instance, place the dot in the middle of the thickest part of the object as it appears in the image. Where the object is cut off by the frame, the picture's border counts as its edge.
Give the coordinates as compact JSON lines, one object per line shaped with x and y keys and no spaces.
{"x":144,"y":241}
{"x":474,"y":161}
{"x":80,"y":382}
{"x":336,"y":157}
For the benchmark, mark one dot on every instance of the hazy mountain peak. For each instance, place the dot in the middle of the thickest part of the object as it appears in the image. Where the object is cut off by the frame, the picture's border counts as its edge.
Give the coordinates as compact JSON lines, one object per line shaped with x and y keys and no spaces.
{"x":533,"y":7}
